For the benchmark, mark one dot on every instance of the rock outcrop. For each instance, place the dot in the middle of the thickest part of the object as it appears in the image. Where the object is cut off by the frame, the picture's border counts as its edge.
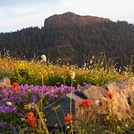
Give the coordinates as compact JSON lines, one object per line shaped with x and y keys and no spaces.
{"x":72,"y":18}
{"x":4,"y":82}
{"x":121,"y":102}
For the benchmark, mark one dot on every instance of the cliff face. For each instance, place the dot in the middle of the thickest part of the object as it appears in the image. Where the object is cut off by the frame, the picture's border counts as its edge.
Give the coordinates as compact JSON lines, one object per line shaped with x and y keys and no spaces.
{"x":72,"y":18}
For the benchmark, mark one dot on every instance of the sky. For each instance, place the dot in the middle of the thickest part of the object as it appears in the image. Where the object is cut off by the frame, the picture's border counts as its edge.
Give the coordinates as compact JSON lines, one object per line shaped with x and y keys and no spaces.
{"x":18,"y":14}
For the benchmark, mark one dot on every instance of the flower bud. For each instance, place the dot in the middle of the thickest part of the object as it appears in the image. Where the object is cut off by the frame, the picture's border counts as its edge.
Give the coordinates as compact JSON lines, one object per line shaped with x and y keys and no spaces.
{"x":97,"y":102}
{"x":44,"y":58}
{"x":9,"y":103}
{"x":73,"y":75}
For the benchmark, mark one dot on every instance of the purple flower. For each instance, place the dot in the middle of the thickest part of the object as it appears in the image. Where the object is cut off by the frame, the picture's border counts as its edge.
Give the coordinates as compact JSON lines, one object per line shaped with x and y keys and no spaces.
{"x":20,"y":115}
{"x":1,"y":95}
{"x":31,"y":94}
{"x":52,"y":95}
{"x":85,"y":84}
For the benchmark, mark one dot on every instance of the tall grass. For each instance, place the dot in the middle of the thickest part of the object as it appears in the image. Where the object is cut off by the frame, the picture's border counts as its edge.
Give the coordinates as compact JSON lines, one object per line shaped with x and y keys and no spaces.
{"x":98,"y":71}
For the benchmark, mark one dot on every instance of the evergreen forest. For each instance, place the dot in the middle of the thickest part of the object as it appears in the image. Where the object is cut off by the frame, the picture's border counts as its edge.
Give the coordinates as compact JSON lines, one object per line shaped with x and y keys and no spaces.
{"x":73,"y":43}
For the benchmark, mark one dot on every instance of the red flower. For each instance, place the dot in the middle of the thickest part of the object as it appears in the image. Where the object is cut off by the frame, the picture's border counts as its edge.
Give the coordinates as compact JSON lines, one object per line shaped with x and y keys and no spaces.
{"x":30,"y":114}
{"x":67,"y":71}
{"x":80,"y":103}
{"x":1,"y":66}
{"x":11,"y":63}
{"x":12,"y":68}
{"x":31,"y":119}
{"x":110,"y":95}
{"x":31,"y":123}
{"x":68,"y":119}
{"x":86,"y":102}
{"x":15,"y":85}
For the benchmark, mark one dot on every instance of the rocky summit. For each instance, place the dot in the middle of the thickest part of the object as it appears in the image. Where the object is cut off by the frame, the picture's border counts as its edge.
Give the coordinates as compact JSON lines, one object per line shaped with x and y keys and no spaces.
{"x":72,"y":18}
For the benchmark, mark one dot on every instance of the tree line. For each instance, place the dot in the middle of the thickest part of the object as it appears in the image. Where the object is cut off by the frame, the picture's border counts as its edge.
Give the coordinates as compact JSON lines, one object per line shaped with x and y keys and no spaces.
{"x":73,"y":43}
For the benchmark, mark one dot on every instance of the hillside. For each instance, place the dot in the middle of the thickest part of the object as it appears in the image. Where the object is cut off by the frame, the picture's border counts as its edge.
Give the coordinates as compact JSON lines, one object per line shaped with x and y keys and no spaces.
{"x":73,"y":42}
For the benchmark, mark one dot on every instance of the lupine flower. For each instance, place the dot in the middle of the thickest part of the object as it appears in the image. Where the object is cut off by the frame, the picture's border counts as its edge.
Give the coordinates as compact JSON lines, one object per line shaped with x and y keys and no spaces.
{"x":110,"y":95}
{"x":68,"y":119}
{"x":35,"y":94}
{"x":20,"y":115}
{"x":86,"y":103}
{"x":85,"y":84}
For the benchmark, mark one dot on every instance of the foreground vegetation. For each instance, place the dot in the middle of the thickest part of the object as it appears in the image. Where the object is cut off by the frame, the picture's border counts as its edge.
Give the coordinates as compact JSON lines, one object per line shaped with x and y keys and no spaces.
{"x":35,"y":84}
{"x":98,"y":71}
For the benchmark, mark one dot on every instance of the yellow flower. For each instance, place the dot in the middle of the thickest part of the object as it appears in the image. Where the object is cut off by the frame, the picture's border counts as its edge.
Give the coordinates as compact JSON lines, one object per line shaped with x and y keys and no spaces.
{"x":93,"y":129}
{"x":39,"y":120}
{"x":23,"y":119}
{"x":29,"y":106}
{"x":15,"y":108}
{"x":118,"y":127}
{"x":42,"y":114}
{"x":58,"y":83}
{"x":29,"y":90}
{"x":55,"y":108}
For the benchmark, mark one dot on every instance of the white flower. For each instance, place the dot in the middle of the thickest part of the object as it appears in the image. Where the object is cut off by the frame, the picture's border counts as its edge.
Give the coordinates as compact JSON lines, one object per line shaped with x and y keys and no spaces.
{"x":56,"y":125}
{"x":73,"y":75}
{"x":9,"y":103}
{"x":97,"y":102}
{"x":44,"y":58}
{"x":126,"y":125}
{"x":93,"y":57}
{"x":91,"y":61}
{"x":68,"y":127}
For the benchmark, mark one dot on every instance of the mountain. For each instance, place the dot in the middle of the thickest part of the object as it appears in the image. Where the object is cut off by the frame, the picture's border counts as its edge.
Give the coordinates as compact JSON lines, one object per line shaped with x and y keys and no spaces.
{"x":73,"y":38}
{"x":72,"y":18}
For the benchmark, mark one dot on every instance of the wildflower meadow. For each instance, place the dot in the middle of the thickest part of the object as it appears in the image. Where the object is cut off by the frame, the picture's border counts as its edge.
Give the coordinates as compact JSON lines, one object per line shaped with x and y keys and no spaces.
{"x":38,"y":83}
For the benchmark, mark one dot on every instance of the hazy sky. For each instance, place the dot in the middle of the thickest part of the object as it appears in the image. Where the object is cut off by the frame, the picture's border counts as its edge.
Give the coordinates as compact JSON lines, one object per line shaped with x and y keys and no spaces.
{"x":18,"y":14}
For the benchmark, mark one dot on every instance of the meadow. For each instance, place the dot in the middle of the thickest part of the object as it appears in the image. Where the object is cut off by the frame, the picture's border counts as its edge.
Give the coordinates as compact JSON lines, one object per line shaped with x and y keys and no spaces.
{"x":38,"y":83}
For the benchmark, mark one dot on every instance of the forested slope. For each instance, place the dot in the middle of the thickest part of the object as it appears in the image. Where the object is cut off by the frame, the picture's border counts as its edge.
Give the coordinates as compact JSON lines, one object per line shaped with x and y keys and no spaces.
{"x":73,"y":43}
